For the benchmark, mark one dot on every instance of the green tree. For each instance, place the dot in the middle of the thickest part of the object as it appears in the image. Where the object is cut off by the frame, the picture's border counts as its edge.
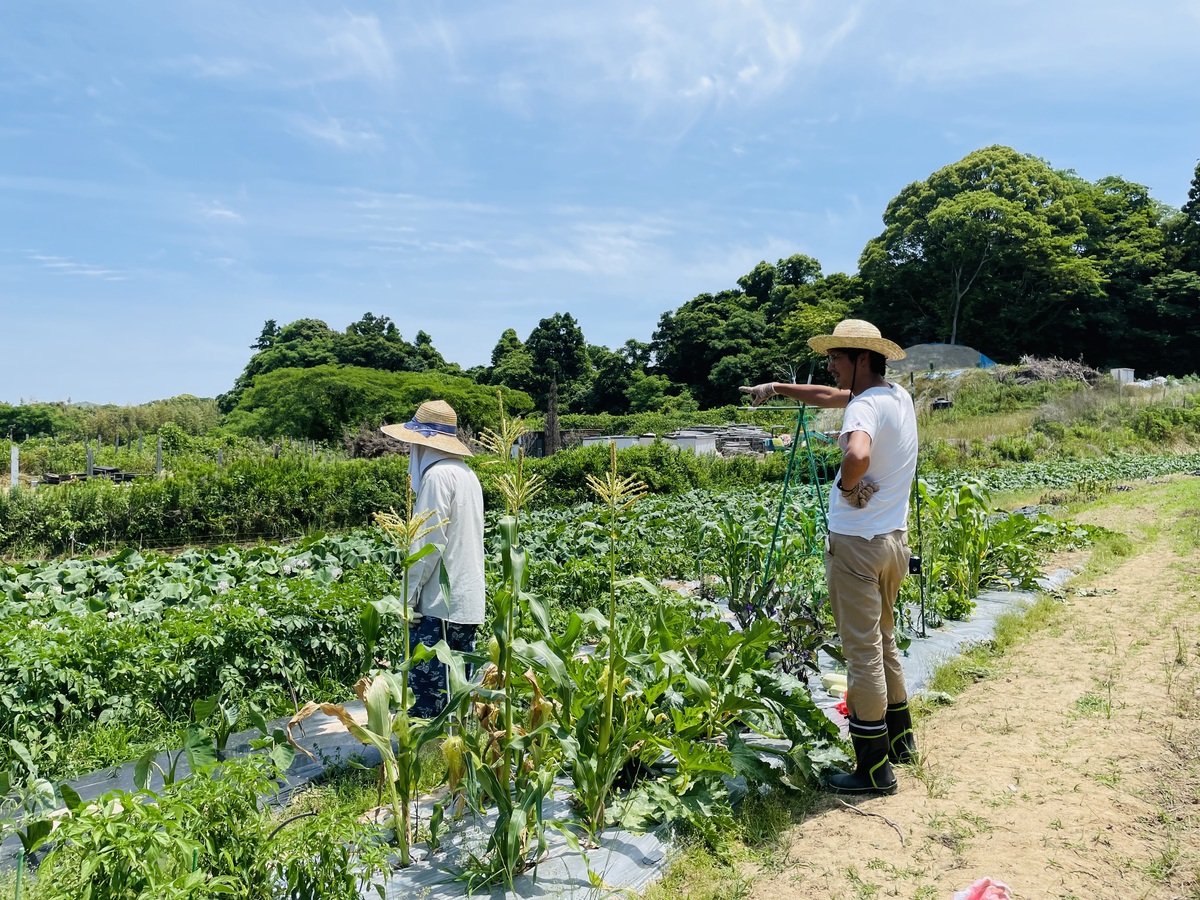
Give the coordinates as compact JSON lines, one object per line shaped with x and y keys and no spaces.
{"x":558,"y":353}
{"x":819,"y":306}
{"x":270,"y":333}
{"x":996,"y":231}
{"x":511,"y":363}
{"x":1166,"y":339}
{"x":373,"y":342}
{"x":613,"y":374}
{"x":716,"y":342}
{"x":508,"y":343}
{"x":1126,"y":238}
{"x":713,"y":343}
{"x":1188,"y":232}
{"x":22,"y":422}
{"x":320,"y":403}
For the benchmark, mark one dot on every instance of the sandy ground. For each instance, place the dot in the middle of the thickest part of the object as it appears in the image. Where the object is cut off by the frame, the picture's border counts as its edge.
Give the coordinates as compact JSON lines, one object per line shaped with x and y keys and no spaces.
{"x":1072,"y":772}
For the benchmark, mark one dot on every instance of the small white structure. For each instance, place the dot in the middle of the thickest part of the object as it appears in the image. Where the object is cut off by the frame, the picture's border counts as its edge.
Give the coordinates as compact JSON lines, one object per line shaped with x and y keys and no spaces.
{"x":698,"y":443}
{"x":1121,"y":376}
{"x":622,"y":441}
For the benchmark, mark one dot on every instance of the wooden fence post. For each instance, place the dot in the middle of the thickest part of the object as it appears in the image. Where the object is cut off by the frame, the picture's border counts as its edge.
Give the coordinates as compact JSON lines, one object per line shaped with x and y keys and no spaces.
{"x":220,"y":457}
{"x":91,"y":461}
{"x":16,"y":465}
{"x":158,"y":458}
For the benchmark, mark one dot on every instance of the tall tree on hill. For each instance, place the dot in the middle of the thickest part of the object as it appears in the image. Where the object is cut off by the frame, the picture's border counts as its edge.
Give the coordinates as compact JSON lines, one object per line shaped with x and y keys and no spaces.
{"x":1188,"y":233}
{"x":268,"y":336}
{"x":558,"y":354}
{"x":1126,"y":238}
{"x":374,"y":342}
{"x":998,"y":231}
{"x":512,"y":366}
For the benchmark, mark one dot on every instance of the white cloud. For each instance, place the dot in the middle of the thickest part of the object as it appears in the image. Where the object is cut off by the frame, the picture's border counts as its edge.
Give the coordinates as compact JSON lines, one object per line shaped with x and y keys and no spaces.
{"x":221,"y":67}
{"x":342,"y":134}
{"x":68,"y":266}
{"x":702,"y":51}
{"x":357,"y":46}
{"x":609,"y":248}
{"x":1075,"y":39}
{"x":217,"y":210}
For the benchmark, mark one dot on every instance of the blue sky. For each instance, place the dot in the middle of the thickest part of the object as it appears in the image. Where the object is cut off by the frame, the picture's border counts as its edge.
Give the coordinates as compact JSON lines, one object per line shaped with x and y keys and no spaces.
{"x":174,"y":174}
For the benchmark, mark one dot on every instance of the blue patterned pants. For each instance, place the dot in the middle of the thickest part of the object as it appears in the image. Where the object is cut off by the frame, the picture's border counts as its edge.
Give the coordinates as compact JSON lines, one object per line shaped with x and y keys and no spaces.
{"x":430,"y":680}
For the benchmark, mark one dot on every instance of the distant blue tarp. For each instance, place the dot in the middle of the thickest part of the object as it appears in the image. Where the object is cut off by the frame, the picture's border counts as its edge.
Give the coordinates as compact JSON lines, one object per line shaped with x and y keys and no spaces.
{"x":984,"y":362}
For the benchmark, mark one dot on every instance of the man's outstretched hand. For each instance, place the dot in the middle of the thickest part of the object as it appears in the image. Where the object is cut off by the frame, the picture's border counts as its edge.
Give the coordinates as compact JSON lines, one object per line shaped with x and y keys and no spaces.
{"x":759,"y":393}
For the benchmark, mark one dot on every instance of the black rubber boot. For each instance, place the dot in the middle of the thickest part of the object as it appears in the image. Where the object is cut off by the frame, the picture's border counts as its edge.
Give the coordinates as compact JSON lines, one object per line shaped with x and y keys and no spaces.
{"x":902,"y":740}
{"x":872,"y":773}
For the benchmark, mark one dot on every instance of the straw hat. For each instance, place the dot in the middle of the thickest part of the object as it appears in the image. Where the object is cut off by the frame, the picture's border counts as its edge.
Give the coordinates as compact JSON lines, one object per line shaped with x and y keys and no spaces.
{"x":434,"y":425}
{"x":856,"y":334}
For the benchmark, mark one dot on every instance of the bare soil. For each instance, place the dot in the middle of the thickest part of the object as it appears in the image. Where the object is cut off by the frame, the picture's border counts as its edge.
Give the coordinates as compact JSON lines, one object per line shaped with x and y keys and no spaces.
{"x":1073,"y":771}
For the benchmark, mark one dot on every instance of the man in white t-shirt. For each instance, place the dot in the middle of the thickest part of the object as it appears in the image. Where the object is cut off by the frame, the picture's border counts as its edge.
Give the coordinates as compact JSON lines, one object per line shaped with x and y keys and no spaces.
{"x":867,"y":552}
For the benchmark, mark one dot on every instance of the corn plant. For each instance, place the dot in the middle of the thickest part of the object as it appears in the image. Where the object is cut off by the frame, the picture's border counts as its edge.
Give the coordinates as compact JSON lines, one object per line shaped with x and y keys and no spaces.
{"x":503,"y":757}
{"x":387,"y":695}
{"x":394,"y":734}
{"x":618,"y":495}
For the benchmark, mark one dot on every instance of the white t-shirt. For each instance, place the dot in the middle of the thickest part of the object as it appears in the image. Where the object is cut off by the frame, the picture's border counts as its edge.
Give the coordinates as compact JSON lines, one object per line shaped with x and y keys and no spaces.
{"x":887,"y":415}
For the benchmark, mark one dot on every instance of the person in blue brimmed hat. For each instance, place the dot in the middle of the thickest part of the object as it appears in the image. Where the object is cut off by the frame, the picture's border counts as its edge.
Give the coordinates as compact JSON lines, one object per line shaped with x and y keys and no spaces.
{"x":442,"y":481}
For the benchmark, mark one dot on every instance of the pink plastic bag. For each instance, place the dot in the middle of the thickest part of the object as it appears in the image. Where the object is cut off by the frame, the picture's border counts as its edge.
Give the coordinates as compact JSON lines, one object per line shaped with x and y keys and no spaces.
{"x":985,"y":889}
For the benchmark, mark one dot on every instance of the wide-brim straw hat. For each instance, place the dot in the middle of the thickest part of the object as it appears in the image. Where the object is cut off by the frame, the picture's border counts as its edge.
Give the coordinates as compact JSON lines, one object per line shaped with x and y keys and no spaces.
{"x":434,"y":425}
{"x":857,"y":334}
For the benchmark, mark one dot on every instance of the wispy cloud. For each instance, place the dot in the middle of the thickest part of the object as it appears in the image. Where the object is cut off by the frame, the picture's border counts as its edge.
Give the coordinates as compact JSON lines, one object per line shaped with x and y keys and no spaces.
{"x":220,"y":67}
{"x":284,"y":46}
{"x":711,"y":51}
{"x":356,"y":46}
{"x":1077,"y":39}
{"x":345,"y":135}
{"x":611,"y":248}
{"x":68,"y":266}
{"x":217,"y":210}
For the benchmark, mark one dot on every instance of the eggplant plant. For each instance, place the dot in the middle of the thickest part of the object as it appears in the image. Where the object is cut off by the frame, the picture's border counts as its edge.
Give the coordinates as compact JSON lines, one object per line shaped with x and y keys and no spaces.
{"x":792,"y":595}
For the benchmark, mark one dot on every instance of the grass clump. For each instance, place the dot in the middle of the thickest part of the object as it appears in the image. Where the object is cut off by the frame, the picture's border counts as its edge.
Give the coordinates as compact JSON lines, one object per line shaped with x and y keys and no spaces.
{"x":701,"y":872}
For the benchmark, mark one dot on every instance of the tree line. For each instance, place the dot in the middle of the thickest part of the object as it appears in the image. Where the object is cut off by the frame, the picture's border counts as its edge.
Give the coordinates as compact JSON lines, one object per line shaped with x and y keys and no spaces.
{"x":998,"y":251}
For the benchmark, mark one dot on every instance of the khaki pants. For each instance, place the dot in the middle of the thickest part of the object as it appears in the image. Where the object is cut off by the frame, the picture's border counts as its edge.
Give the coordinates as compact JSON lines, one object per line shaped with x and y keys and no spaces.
{"x":864,"y":578}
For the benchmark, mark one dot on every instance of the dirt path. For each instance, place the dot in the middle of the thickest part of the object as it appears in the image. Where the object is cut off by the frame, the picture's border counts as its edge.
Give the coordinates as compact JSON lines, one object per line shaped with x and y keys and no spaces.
{"x":1072,"y":772}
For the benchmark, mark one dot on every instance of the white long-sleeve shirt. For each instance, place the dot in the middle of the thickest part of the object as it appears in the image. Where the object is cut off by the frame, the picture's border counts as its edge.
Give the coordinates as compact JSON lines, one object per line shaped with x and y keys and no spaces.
{"x":449,"y":486}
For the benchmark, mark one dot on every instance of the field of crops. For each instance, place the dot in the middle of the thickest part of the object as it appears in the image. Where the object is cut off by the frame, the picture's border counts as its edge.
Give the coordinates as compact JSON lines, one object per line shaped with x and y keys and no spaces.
{"x":610,"y":661}
{"x":110,"y":658}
